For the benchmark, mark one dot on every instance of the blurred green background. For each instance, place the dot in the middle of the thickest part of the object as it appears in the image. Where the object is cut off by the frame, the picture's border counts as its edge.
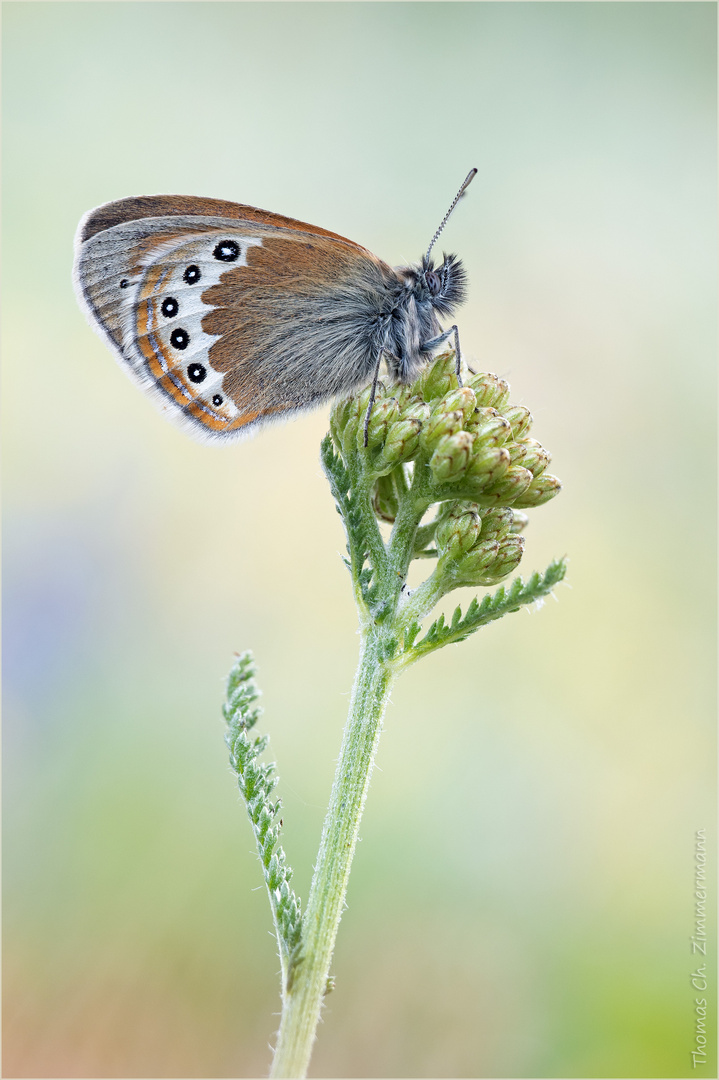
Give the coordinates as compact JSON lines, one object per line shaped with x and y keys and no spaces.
{"x":522,"y":899}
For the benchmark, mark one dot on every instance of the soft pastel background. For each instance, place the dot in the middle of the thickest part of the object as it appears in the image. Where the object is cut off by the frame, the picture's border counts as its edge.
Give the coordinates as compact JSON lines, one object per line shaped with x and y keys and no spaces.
{"x":522,"y":899}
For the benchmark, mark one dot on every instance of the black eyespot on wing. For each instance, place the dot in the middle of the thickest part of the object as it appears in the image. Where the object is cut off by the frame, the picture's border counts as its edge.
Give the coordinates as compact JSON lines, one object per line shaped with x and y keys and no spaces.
{"x":170,"y":307}
{"x":124,"y":283}
{"x":196,"y":373}
{"x":227,"y":251}
{"x":179,"y":339}
{"x":217,"y":399}
{"x":192,"y":274}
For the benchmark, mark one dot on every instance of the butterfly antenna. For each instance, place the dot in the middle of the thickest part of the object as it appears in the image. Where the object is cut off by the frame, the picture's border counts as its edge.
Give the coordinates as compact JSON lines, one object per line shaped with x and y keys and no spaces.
{"x":470,"y":177}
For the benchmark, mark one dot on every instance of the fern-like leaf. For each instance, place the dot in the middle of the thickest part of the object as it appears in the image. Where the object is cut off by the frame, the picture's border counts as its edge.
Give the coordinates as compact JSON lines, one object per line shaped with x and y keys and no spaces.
{"x":256,"y":781}
{"x":492,"y":607}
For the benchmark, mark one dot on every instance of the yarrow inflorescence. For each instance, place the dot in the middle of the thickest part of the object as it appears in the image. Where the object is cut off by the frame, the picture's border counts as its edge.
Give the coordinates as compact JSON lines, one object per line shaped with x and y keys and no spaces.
{"x":464,"y":449}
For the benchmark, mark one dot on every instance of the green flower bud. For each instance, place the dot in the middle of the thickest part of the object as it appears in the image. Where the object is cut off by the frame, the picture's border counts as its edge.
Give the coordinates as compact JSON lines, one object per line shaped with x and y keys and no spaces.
{"x":490,"y":389}
{"x":416,"y":410}
{"x":496,"y":523}
{"x":438,"y":426}
{"x":488,"y":464}
{"x":469,"y":570}
{"x":384,"y":412}
{"x":536,"y":457}
{"x":507,"y":560}
{"x":384,"y":499}
{"x":458,"y":532}
{"x":344,"y":417}
{"x":489,"y":426}
{"x":381,"y":393}
{"x":339,"y":415}
{"x":540,"y":491}
{"x":520,"y":521}
{"x":459,"y":506}
{"x":509,"y":487}
{"x":363,"y":397}
{"x":439,"y":378}
{"x":451,"y":457}
{"x":462,"y":398}
{"x":520,"y":419}
{"x":406,"y":396}
{"x":359,"y":412}
{"x":402,"y":441}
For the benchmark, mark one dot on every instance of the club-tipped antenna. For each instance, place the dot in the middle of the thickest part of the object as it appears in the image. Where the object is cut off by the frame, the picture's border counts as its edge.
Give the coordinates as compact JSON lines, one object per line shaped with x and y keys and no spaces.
{"x":469,"y":178}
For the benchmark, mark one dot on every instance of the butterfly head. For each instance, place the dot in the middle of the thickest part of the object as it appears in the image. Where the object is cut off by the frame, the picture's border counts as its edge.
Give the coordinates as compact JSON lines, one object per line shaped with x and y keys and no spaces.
{"x":444,"y":286}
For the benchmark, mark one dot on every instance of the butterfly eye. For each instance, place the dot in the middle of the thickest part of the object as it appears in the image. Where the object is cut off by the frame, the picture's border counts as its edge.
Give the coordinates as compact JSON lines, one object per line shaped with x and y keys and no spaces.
{"x":227,"y":251}
{"x":432,"y":282}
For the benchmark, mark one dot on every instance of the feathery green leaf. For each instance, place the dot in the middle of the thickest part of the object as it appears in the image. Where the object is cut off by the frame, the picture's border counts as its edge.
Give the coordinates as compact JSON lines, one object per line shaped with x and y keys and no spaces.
{"x":256,"y":781}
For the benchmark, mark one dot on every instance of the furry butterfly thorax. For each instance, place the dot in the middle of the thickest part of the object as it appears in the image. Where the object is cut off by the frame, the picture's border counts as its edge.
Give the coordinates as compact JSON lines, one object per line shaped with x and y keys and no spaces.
{"x":229,"y":316}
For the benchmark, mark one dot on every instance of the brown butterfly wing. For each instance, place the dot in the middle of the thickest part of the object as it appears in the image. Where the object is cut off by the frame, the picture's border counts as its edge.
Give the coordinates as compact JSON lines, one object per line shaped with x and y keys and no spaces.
{"x":138,"y":207}
{"x":229,"y":316}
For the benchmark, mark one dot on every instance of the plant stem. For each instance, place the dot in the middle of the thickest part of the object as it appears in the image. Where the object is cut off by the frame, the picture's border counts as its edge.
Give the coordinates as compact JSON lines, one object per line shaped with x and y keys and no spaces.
{"x":302,"y":1001}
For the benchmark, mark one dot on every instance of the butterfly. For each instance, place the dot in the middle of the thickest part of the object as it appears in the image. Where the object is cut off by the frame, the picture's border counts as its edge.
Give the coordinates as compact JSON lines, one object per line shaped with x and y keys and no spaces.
{"x":229,"y":316}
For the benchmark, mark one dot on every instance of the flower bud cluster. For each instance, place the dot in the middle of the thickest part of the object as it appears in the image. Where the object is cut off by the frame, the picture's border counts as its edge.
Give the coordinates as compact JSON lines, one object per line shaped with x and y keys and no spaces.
{"x":393,"y":431}
{"x":475,"y":455}
{"x":469,"y":436}
{"x":486,"y":451}
{"x":477,"y":546}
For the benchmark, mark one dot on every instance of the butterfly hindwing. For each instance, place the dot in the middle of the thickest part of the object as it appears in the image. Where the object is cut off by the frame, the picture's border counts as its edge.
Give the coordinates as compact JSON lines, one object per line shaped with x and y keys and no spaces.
{"x":163,"y":332}
{"x":229,"y":320}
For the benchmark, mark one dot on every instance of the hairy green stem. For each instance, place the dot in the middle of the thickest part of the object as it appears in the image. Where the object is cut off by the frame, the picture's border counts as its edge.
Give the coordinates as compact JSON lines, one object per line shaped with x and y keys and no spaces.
{"x":302,"y":1002}
{"x":411,"y":511}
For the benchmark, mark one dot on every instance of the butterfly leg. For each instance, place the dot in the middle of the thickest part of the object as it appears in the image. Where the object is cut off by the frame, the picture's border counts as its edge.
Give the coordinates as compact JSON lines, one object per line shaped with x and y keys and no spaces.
{"x":372,"y":397}
{"x":457,"y":354}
